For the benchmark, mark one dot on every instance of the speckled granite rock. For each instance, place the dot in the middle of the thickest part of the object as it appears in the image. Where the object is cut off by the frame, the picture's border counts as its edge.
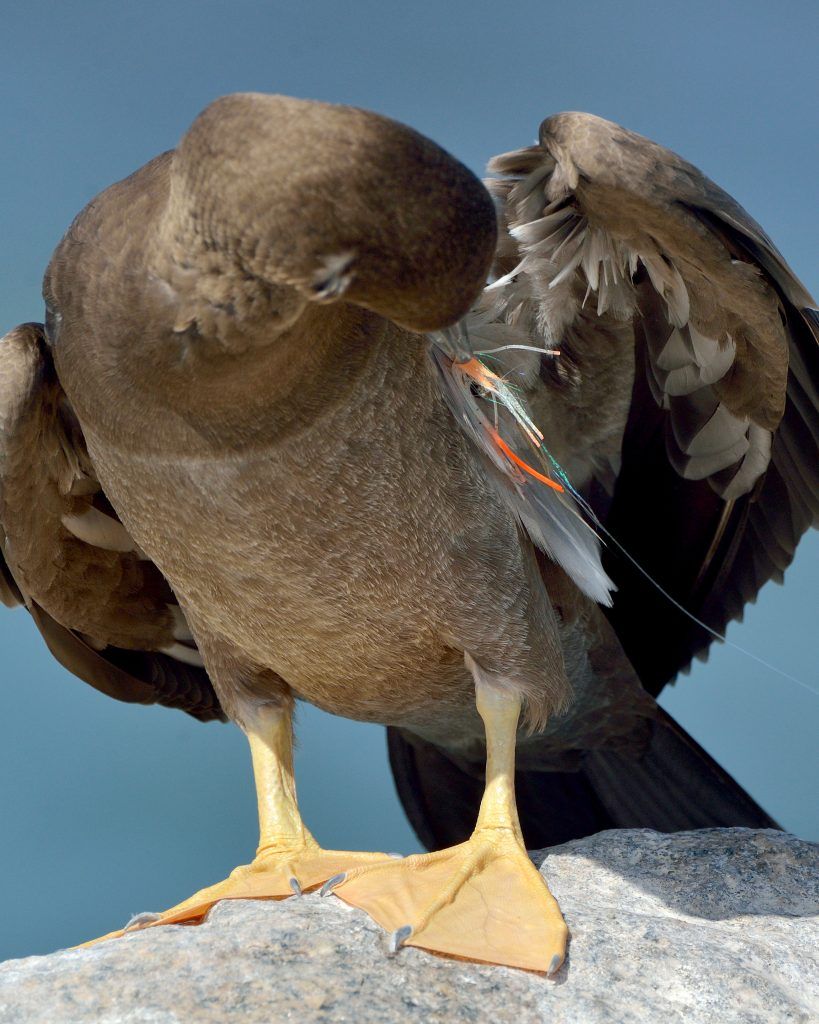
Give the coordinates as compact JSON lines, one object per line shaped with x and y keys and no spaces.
{"x":718,"y":926}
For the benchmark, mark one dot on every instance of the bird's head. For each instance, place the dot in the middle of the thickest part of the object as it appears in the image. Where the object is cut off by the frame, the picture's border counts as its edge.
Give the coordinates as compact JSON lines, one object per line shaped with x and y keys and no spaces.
{"x":276,"y":203}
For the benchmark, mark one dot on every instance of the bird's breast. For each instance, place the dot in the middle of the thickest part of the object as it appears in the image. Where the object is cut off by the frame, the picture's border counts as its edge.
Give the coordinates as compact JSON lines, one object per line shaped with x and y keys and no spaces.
{"x":357,"y":558}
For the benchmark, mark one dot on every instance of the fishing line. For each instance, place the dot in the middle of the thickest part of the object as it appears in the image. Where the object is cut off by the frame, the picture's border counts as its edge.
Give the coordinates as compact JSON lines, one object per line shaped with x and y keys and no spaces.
{"x":526,"y":348}
{"x":658,"y":586}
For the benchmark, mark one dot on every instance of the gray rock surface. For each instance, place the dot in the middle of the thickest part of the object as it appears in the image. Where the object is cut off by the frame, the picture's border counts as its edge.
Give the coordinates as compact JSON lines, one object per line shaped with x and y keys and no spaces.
{"x":719,"y":926}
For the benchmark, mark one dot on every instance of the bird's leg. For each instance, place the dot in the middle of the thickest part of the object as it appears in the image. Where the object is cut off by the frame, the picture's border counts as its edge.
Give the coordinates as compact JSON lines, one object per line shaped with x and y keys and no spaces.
{"x":281,"y":829}
{"x":484,"y":899}
{"x":288,"y":860}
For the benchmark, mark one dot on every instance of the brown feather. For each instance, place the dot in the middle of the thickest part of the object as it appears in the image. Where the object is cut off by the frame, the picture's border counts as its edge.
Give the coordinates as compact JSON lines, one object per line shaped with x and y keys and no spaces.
{"x":685,"y":264}
{"x":105,"y":614}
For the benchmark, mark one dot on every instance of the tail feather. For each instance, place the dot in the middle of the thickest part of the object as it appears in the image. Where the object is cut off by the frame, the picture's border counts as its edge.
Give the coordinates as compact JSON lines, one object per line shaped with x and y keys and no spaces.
{"x":675,"y":786}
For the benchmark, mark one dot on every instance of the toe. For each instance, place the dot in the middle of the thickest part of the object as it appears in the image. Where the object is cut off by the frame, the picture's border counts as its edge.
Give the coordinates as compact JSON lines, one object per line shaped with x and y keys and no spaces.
{"x":141,"y":920}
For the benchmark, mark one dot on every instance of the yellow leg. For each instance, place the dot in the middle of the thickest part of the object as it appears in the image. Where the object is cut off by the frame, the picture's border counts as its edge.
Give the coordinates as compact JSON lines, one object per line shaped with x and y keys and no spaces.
{"x":288,"y":859}
{"x":483,"y":900}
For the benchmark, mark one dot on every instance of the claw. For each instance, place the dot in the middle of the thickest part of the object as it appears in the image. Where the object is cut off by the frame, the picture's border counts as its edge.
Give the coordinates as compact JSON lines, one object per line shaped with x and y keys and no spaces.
{"x":331,"y":883}
{"x":399,"y":937}
{"x":140,"y":920}
{"x":294,"y":885}
{"x":554,"y":966}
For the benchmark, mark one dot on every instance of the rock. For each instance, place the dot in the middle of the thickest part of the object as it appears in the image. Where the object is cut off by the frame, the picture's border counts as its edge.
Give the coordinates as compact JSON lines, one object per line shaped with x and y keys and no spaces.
{"x":712,"y":926}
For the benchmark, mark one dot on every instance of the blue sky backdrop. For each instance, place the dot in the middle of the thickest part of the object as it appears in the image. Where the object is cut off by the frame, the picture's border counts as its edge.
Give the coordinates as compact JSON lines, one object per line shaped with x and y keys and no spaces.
{"x":108,"y":809}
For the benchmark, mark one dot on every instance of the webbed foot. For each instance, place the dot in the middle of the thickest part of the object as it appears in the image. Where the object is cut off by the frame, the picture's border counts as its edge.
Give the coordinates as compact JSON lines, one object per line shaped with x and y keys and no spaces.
{"x":483,"y":900}
{"x":275,"y":873}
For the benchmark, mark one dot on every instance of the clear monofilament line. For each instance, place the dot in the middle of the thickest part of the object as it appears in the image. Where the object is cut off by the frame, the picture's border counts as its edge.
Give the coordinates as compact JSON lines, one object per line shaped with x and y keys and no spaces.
{"x":661,"y":589}
{"x":704,"y":625}
{"x":525,"y":348}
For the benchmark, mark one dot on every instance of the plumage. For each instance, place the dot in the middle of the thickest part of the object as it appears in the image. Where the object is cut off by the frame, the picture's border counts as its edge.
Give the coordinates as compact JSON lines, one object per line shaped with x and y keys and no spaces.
{"x":276,"y":426}
{"x":105,"y":611}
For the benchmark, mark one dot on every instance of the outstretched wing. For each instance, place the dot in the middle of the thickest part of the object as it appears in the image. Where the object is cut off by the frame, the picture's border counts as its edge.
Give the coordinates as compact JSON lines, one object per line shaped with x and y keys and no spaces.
{"x":683,"y":403}
{"x":105,"y":610}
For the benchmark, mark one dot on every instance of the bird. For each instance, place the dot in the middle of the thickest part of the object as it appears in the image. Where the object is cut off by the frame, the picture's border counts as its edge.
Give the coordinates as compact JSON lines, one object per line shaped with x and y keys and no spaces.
{"x":316,"y":415}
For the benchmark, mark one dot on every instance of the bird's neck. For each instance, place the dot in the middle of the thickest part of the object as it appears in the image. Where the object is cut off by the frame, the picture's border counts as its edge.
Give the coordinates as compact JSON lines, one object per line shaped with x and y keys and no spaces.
{"x":195,"y":399}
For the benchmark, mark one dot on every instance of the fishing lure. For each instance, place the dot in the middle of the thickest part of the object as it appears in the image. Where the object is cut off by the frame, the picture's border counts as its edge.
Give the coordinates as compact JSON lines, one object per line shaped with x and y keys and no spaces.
{"x":498,"y":422}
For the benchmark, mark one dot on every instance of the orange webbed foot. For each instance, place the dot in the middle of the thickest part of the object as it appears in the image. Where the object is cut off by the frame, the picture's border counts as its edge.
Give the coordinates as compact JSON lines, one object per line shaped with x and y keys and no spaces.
{"x":275,"y":873}
{"x":483,"y":900}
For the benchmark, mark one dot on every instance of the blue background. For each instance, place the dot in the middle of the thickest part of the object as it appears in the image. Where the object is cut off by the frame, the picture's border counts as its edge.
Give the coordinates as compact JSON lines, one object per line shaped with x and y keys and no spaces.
{"x":107,"y":809}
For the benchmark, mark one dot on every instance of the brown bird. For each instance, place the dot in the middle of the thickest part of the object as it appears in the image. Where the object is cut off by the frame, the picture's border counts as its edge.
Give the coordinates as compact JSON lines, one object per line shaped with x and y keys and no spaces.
{"x":277,"y":441}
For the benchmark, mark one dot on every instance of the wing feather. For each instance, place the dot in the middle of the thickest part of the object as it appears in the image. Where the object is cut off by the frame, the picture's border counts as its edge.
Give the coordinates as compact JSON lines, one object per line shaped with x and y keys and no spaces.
{"x":689,"y":365}
{"x":104,"y":610}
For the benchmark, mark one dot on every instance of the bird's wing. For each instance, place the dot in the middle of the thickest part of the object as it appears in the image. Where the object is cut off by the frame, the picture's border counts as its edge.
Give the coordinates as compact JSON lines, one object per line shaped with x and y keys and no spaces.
{"x":105,"y":611}
{"x":683,"y":403}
